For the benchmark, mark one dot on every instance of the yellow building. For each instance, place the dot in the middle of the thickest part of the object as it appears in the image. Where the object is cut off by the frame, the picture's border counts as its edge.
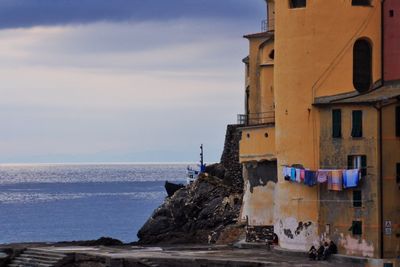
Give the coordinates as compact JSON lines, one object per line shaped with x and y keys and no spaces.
{"x":316,"y":99}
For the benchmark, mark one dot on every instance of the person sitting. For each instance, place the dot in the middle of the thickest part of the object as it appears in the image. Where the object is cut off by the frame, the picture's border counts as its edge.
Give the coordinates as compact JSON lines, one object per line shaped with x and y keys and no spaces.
{"x":333,"y":248}
{"x":320,"y":252}
{"x":326,"y":252}
{"x":312,"y":253}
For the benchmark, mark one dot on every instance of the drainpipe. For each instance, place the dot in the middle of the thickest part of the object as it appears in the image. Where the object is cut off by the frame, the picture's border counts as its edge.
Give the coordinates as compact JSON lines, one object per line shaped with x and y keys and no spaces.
{"x":380,"y":131}
{"x":381,"y":184}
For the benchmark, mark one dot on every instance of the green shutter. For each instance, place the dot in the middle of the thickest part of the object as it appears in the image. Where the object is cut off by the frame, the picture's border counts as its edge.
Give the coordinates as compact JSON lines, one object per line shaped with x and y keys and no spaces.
{"x":357,"y":124}
{"x":364,"y":166}
{"x":350,"y":164}
{"x":336,"y":123}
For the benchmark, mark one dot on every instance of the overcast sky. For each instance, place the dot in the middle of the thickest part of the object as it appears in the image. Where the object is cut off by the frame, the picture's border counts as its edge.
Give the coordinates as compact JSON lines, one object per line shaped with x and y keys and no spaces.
{"x":121,"y":80}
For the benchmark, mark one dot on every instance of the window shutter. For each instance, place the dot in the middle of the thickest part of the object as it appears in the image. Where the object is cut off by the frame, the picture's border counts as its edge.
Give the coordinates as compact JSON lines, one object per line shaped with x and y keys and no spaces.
{"x":350,"y":161}
{"x":336,"y":123}
{"x":357,"y":124}
{"x":357,"y":199}
{"x":363,"y":166}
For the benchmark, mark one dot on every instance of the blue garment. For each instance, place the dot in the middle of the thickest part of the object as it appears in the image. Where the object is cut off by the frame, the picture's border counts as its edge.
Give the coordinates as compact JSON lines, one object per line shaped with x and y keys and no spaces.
{"x":293,"y":175}
{"x":310,"y":178}
{"x":351,"y":178}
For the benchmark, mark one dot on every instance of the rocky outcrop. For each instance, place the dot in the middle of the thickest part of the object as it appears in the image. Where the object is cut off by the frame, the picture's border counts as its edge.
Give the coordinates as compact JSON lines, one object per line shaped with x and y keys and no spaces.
{"x":197,"y":213}
{"x":205,"y":210}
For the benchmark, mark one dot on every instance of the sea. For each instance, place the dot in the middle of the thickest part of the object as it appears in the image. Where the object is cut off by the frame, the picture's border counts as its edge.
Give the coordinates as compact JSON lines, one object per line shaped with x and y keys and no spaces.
{"x":66,"y":202}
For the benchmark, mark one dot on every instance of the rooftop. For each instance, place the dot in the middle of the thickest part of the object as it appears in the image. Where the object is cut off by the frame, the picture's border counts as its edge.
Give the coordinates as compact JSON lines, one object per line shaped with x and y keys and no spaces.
{"x":388,"y":92}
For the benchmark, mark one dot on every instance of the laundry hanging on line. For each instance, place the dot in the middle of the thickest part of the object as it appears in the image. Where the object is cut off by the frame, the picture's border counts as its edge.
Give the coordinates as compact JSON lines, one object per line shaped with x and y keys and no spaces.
{"x":336,"y":180}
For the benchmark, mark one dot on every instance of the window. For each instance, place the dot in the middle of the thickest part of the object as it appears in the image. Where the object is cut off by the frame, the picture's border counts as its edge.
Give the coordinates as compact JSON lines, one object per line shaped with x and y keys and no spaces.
{"x":357,"y":199}
{"x":397,"y":121}
{"x":391,"y":13}
{"x":297,"y":3}
{"x":357,"y":124}
{"x":272,"y":54}
{"x":398,"y":173}
{"x":361,"y":2}
{"x":336,"y":123}
{"x":362,"y":65}
{"x":358,"y":162}
{"x":356,"y":228}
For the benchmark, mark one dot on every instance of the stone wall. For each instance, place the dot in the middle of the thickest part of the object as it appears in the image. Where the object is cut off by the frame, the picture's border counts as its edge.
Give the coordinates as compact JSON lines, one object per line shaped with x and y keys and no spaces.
{"x":230,"y":158}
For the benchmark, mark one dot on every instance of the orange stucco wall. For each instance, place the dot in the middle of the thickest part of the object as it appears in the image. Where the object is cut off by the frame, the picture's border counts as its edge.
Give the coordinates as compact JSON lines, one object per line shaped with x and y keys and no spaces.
{"x":391,"y":196}
{"x":313,"y":58}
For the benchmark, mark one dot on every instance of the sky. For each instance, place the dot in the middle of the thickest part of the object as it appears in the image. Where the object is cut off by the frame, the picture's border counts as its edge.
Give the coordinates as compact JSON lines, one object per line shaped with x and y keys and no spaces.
{"x":121,"y":80}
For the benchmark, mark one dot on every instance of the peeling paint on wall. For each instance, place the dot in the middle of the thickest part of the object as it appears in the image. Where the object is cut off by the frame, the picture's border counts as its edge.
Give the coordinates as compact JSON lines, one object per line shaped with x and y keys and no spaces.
{"x":296,"y":235}
{"x":356,"y":246}
{"x":260,"y":173}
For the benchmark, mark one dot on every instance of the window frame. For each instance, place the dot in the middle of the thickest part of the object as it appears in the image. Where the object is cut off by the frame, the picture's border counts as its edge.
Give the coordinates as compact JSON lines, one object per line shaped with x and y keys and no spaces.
{"x":357,"y":199}
{"x":358,"y":162}
{"x":356,"y":133}
{"x":293,"y":4}
{"x":337,"y":123}
{"x":357,"y":225}
{"x":362,"y":64}
{"x":361,"y":3}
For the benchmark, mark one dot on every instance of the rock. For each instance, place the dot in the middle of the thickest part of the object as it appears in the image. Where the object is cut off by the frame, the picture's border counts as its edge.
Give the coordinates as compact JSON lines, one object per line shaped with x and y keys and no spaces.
{"x":193,"y":213}
{"x":201,"y":211}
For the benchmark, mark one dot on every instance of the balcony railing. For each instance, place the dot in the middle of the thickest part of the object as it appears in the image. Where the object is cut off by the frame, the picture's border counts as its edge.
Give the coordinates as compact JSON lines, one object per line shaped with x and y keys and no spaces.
{"x":268,"y":25}
{"x":256,"y":118}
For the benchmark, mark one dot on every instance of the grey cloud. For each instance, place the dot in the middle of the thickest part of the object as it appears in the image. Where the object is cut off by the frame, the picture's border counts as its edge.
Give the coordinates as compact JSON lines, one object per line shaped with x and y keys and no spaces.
{"x":29,"y":13}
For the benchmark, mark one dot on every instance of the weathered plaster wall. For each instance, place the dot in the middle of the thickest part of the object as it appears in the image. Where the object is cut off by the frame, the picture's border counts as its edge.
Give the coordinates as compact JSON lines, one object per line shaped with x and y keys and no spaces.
{"x":336,"y":208}
{"x":391,"y":196}
{"x":253,"y":80}
{"x":257,"y":143}
{"x":258,"y":200}
{"x":313,"y":57}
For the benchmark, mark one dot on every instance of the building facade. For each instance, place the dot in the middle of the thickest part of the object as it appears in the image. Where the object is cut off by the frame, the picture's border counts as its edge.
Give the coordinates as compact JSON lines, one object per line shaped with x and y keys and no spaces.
{"x":323,"y":93}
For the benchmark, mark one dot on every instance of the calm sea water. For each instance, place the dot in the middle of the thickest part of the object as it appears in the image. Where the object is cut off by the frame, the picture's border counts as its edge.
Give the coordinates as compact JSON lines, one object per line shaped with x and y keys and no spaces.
{"x":80,"y":202}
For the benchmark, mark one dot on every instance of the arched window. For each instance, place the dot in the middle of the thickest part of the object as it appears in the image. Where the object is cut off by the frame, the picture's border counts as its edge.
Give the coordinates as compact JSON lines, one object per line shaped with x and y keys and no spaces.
{"x":362,"y":65}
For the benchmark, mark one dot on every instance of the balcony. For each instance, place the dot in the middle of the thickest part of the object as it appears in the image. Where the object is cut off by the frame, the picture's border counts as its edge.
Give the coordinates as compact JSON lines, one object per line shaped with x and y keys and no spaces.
{"x":256,"y":118}
{"x":268,"y":25}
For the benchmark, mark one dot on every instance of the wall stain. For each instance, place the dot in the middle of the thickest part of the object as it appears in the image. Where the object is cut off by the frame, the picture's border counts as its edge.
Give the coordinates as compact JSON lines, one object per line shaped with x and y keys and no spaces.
{"x":288,"y":233}
{"x":260,"y":173}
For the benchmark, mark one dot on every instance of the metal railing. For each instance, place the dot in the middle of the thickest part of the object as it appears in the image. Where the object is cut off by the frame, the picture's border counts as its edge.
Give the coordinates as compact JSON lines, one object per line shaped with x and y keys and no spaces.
{"x":256,"y":118}
{"x":268,"y":25}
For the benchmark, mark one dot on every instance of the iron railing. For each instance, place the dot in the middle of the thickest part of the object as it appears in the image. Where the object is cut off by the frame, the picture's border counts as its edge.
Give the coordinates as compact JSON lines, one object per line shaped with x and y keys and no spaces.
{"x":256,"y":118}
{"x":268,"y":25}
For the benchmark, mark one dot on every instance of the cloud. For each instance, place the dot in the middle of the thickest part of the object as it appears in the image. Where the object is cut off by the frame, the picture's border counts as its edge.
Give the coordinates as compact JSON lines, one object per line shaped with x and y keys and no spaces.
{"x":30,"y":13}
{"x":97,"y":92}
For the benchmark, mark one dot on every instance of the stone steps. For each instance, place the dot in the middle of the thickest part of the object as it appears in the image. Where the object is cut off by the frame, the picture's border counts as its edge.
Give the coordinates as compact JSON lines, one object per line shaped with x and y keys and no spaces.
{"x":38,"y":258}
{"x":148,"y":263}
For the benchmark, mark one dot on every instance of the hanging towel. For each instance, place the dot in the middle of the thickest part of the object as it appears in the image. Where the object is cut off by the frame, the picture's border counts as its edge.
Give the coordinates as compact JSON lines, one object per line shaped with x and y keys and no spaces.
{"x":302,"y":175}
{"x":335,"y":180}
{"x":351,"y":178}
{"x":286,"y":173}
{"x":298,"y":172}
{"x":310,"y":178}
{"x":293,"y":175}
{"x":322,"y":176}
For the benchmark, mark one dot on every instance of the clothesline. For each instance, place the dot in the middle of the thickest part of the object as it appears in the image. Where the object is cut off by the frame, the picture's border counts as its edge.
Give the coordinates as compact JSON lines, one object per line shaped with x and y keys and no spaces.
{"x":331,"y":200}
{"x":330,"y":167}
{"x":337,"y":179}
